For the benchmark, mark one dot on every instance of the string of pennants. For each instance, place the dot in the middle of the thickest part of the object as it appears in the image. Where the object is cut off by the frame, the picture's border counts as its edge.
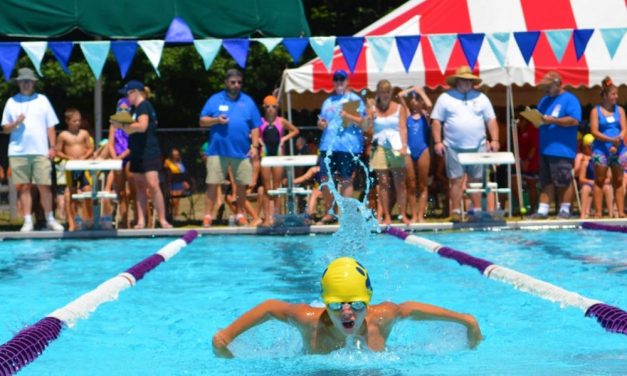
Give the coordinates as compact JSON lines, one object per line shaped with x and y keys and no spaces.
{"x":96,"y":52}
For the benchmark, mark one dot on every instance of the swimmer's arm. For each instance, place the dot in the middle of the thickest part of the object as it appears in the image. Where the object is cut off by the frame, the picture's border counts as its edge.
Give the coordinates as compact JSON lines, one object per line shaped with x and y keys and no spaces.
{"x":421,"y":311}
{"x":270,"y":309}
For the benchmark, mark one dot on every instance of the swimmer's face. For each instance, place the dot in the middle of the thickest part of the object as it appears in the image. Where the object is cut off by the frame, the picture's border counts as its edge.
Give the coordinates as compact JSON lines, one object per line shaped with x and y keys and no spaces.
{"x":349,"y":318}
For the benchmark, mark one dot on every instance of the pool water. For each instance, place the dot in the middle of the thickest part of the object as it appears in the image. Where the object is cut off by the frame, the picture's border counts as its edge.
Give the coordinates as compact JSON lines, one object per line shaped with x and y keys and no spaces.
{"x":164,"y":325}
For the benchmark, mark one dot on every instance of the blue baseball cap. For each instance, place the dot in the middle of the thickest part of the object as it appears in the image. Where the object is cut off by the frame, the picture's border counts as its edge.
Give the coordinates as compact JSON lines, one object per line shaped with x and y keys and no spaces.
{"x":340,"y":75}
{"x":131,"y":85}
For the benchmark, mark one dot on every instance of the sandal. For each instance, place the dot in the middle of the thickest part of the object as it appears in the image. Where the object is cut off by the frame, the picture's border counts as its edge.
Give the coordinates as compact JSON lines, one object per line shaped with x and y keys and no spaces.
{"x":207,"y":220}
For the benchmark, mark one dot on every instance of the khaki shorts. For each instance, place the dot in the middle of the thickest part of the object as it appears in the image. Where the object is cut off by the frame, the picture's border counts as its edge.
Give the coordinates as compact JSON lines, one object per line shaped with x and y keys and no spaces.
{"x":217,"y":167}
{"x":384,"y":159}
{"x":34,"y":169}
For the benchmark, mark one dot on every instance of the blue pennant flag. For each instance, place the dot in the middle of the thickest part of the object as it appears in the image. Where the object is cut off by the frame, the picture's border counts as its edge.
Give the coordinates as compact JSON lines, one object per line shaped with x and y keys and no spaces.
{"x":208,"y":50}
{"x":238,"y":49}
{"x":558,"y":40}
{"x":323,"y":47}
{"x":96,"y":55}
{"x":9,"y":52}
{"x":179,"y":32}
{"x":380,"y":49}
{"x":62,"y":51}
{"x":351,"y":48}
{"x":581,"y":38}
{"x":442,"y":46}
{"x":295,"y":47}
{"x":612,"y":38}
{"x":498,"y":43}
{"x":527,"y":41}
{"x":269,"y":43}
{"x":471,"y":45}
{"x":407,"y":46}
{"x":124,"y":51}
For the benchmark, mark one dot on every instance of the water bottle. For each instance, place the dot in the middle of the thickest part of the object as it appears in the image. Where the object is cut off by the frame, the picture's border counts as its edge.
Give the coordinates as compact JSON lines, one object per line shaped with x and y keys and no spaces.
{"x":231,"y":220}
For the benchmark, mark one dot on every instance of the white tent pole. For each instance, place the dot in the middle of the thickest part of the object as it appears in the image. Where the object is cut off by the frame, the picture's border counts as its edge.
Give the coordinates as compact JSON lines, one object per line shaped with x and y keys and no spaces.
{"x":289,"y":118}
{"x":508,"y":132}
{"x":516,"y":152}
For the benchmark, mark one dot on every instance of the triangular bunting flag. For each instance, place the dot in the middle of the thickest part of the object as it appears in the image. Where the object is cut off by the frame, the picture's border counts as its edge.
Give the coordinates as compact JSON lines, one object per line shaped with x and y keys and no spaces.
{"x":527,"y":41}
{"x":581,"y":38}
{"x":179,"y":32}
{"x":471,"y":45}
{"x":558,"y":40}
{"x":62,"y":51}
{"x":407,"y":45}
{"x":36,"y":52}
{"x":124,"y":51}
{"x":612,"y":38}
{"x":442,"y":46}
{"x":153,"y":50}
{"x":238,"y":49}
{"x":295,"y":47}
{"x":208,"y":49}
{"x":323,"y":47}
{"x":269,"y":43}
{"x":9,"y":51}
{"x":380,"y":47}
{"x":351,"y":48}
{"x":96,"y":54}
{"x":498,"y":43}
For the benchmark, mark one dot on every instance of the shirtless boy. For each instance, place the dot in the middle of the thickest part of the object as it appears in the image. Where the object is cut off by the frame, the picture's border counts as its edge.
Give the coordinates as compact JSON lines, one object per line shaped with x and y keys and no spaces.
{"x":346,"y":292}
{"x":74,"y":143}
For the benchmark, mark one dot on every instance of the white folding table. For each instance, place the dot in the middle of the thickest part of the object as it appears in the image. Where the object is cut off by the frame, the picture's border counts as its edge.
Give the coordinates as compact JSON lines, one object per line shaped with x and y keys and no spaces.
{"x":289,"y":162}
{"x":94,"y":166}
{"x":485,"y":160}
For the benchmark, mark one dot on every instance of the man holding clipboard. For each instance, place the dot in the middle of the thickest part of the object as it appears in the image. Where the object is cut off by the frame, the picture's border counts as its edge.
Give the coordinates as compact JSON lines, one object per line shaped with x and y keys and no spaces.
{"x":340,"y":121}
{"x":561,"y":114}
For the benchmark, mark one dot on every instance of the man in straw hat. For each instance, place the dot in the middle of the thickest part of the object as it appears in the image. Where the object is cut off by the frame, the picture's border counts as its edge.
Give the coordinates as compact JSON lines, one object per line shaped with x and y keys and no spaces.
{"x":29,"y":119}
{"x":459,"y":124}
{"x":561,"y":115}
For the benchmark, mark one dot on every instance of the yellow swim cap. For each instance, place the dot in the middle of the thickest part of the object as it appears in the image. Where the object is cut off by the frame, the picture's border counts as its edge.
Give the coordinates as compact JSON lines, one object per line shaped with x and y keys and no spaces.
{"x":588,"y":139}
{"x":345,"y":280}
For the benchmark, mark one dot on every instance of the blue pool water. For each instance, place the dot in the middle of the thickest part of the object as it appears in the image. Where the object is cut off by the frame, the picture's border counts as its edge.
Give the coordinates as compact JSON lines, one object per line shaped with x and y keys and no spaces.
{"x":163,"y":325}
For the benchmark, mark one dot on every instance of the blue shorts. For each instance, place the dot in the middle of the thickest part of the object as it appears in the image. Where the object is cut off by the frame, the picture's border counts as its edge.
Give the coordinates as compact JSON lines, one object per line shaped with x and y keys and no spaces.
{"x":342,"y":164}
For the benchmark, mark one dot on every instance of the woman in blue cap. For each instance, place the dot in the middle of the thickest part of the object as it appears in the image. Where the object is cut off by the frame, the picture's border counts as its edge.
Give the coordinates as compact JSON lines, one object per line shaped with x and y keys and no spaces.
{"x":145,"y":158}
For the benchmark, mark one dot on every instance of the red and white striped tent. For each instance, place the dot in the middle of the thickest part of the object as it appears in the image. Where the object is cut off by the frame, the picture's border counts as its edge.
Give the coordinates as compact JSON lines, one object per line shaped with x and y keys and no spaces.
{"x":430,"y":17}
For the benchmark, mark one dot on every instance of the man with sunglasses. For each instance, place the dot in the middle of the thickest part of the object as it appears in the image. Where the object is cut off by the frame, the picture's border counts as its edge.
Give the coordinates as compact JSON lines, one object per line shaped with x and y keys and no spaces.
{"x":347,"y":314}
{"x":342,"y":138}
{"x":233,"y":120}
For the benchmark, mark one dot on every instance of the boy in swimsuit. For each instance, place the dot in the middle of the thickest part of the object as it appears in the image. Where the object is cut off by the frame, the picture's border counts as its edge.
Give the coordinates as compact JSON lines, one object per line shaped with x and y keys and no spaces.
{"x":346,"y":293}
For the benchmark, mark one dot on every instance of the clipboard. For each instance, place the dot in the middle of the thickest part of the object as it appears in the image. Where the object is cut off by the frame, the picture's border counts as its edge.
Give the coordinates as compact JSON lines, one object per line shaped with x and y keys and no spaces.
{"x":534,"y":116}
{"x":351,"y":108}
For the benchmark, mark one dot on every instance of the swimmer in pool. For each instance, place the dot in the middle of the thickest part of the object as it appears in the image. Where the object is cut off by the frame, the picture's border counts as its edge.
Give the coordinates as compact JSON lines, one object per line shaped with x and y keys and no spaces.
{"x":346,"y":293}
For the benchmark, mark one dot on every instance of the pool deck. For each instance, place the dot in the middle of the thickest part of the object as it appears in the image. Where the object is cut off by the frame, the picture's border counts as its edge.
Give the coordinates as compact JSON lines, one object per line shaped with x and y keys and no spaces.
{"x":300,"y":230}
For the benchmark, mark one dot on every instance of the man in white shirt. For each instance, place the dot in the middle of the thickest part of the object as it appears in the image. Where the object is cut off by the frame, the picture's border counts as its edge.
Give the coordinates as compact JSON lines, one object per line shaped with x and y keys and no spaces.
{"x":29,"y":119}
{"x":460,"y":118}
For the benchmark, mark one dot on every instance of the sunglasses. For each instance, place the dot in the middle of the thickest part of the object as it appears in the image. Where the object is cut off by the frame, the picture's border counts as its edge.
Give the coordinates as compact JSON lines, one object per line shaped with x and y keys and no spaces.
{"x":339,"y":79}
{"x":355,"y":306}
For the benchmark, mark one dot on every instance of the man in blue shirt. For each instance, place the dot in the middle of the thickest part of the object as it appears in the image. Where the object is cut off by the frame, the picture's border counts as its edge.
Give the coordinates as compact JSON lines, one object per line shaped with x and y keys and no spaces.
{"x":342,"y":138}
{"x":233,"y":121}
{"x":561,"y":114}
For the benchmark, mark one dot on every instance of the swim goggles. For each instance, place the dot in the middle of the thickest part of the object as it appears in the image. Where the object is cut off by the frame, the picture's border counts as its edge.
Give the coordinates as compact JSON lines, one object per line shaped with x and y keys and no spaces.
{"x":355,"y":306}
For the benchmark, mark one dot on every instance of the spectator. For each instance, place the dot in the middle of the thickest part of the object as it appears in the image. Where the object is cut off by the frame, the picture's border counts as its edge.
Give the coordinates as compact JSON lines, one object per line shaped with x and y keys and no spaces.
{"x":30,"y":120}
{"x":174,"y":164}
{"x":233,"y":121}
{"x":561,"y":114}
{"x":586,"y":175}
{"x":459,"y":124}
{"x":342,"y":139}
{"x":388,"y":121}
{"x":123,"y":179}
{"x":145,"y":156}
{"x":272,"y":138}
{"x":529,"y":159}
{"x":418,"y":160}
{"x":608,"y":126}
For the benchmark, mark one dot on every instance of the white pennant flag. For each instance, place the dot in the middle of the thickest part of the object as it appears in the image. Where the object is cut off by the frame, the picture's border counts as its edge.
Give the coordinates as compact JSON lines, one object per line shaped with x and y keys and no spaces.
{"x":499,"y":43}
{"x":380,"y":47}
{"x":153,"y":50}
{"x":269,"y":43}
{"x":36,"y":52}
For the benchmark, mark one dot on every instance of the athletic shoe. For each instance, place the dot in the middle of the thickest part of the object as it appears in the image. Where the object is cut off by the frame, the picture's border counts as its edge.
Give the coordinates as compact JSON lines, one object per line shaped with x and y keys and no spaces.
{"x":27,"y":227}
{"x":563,"y":214}
{"x":538,"y":216}
{"x":54,"y":225}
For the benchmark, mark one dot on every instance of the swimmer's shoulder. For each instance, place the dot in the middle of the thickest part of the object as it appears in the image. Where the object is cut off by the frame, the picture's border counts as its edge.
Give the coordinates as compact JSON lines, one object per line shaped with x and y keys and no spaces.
{"x":384,"y":310}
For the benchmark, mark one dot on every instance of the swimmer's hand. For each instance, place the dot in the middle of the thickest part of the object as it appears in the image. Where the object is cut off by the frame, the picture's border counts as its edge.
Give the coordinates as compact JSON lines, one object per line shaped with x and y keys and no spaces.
{"x":220,"y":344}
{"x":473,"y":332}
